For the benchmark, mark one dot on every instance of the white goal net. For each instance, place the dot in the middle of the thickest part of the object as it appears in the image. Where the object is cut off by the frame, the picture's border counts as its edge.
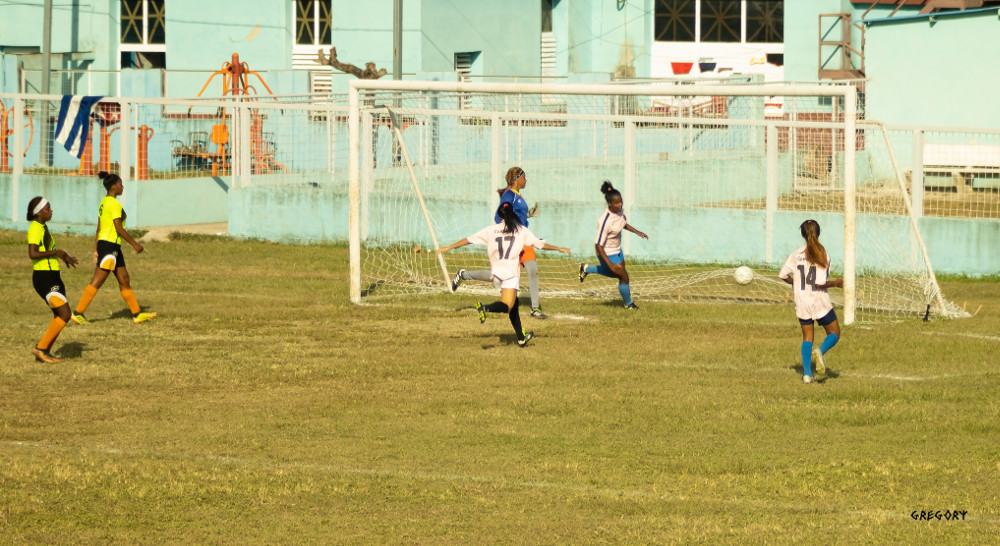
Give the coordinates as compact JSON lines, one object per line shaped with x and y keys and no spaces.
{"x":718,"y":176}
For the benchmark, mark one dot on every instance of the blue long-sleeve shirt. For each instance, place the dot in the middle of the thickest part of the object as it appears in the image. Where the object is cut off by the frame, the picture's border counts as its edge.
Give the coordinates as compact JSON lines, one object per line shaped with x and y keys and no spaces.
{"x":519,"y":204}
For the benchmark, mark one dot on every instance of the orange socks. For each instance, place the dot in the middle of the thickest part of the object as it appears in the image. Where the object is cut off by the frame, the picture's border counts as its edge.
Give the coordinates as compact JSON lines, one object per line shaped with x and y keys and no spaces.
{"x":133,"y":305}
{"x":88,"y":296}
{"x":52,"y":333}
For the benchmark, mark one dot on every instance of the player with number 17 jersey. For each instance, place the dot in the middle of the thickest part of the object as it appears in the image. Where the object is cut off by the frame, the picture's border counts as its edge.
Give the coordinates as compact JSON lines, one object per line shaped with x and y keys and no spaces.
{"x":811,"y":303}
{"x":505,"y":248}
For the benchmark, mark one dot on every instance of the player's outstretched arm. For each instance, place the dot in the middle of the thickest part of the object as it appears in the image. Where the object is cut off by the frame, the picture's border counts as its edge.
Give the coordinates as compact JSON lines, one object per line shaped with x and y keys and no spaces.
{"x":456,"y":244}
{"x":562,"y":249}
{"x":636,"y":231}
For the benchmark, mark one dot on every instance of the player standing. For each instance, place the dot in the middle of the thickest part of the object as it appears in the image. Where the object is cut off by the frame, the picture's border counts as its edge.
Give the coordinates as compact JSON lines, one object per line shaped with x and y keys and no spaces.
{"x":45,"y":275}
{"x":807,"y":269}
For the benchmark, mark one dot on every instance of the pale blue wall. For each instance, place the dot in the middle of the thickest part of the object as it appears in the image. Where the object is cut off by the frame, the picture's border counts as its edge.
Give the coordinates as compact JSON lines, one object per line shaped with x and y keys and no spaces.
{"x":506,"y":32}
{"x":942,"y":74}
{"x":918,"y":73}
{"x":147,"y":202}
{"x":600,"y":37}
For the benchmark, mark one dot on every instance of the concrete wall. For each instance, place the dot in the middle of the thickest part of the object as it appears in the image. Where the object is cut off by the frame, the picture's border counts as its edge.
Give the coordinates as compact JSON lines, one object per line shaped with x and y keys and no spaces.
{"x":935,"y":74}
{"x":147,"y":202}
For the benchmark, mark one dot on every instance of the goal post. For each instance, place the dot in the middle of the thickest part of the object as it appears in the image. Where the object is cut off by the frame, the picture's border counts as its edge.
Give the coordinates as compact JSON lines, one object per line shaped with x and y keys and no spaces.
{"x":719,"y":175}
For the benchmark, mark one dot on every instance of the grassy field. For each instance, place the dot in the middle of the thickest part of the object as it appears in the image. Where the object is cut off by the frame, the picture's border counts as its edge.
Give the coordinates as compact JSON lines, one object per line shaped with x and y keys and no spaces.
{"x":262,"y":407}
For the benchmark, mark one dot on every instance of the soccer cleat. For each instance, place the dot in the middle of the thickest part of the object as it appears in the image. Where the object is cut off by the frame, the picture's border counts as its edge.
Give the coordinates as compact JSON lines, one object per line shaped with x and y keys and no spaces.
{"x":537,"y":313}
{"x":481,"y":309}
{"x":583,"y":271}
{"x":524,"y":342}
{"x":457,"y":280}
{"x":632,"y":306}
{"x":42,"y":355}
{"x":820,"y":362}
{"x":143,"y":317}
{"x":807,"y":379}
{"x":79,"y":319}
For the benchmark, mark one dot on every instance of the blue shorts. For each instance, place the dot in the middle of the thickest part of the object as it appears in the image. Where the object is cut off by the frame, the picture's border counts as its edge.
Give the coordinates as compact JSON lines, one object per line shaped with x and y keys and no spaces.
{"x":828,"y":318}
{"x":603,"y":269}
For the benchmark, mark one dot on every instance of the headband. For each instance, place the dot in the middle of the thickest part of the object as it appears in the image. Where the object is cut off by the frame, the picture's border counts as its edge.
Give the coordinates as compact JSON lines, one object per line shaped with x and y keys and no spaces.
{"x":39,"y":207}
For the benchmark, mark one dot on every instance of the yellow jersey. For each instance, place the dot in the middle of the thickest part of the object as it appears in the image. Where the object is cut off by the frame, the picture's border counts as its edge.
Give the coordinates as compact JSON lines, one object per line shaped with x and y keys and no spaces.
{"x":109,"y":211}
{"x":36,"y":236}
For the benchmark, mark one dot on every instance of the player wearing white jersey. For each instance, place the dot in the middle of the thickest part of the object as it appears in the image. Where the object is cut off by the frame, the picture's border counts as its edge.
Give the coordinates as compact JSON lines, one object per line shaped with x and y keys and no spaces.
{"x":807,"y":269}
{"x":516,"y":181}
{"x":504,"y":242}
{"x":609,"y":245}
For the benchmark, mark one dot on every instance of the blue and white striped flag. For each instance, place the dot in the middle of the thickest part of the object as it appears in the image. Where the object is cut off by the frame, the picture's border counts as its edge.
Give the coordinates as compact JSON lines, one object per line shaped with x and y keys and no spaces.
{"x":74,"y":122}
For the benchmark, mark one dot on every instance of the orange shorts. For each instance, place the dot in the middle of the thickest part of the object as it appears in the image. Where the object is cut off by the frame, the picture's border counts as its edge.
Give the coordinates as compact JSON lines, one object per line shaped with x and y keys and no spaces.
{"x":527,"y":255}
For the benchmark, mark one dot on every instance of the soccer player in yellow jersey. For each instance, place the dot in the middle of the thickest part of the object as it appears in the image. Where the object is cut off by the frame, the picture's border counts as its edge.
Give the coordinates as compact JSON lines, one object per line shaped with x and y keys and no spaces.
{"x":108,"y":252}
{"x":45,"y":275}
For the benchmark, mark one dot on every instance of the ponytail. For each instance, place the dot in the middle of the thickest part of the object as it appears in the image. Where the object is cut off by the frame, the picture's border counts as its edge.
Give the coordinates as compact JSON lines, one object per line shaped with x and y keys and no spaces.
{"x":109,"y":179}
{"x":509,"y":218}
{"x":609,"y":191}
{"x":815,"y":251}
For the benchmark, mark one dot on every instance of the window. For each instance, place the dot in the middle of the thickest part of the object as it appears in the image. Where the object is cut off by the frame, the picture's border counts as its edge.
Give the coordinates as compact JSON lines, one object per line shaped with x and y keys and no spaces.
{"x":313,"y":32}
{"x":463,"y":65}
{"x":720,"y":20}
{"x":727,"y":21}
{"x":548,"y":60}
{"x":143,"y":41}
{"x":312,"y":22}
{"x":765,"y":21}
{"x":675,"y":20}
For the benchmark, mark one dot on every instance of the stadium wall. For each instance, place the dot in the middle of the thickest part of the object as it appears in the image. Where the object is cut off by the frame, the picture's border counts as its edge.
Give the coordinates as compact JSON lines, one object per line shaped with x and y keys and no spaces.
{"x":148,"y":202}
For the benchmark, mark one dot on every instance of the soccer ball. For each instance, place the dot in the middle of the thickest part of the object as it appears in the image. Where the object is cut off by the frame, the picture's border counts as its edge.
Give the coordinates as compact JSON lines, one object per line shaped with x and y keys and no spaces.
{"x":743,"y":275}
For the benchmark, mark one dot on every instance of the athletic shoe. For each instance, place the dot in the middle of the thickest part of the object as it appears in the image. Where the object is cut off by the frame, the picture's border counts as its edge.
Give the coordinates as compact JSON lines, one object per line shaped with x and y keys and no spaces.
{"x":481,"y":309}
{"x":524,"y":342}
{"x":457,"y":280}
{"x":819,"y":361}
{"x":807,"y":379}
{"x":537,"y":313}
{"x":79,"y":319}
{"x":632,"y":307}
{"x":583,"y":272}
{"x":143,"y":317}
{"x":42,"y":355}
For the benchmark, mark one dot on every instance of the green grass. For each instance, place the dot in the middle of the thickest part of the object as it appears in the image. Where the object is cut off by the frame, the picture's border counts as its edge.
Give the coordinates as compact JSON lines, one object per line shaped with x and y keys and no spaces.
{"x":261,"y":407}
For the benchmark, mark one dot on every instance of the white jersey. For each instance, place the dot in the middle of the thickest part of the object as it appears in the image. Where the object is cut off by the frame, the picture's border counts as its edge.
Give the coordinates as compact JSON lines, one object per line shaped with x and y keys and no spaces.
{"x":609,"y":231}
{"x":811,"y":303}
{"x":505,"y":248}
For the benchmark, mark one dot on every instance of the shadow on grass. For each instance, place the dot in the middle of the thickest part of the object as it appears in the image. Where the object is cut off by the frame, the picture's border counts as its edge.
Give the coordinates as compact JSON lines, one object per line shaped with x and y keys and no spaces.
{"x":73,"y":349}
{"x":830,"y":373}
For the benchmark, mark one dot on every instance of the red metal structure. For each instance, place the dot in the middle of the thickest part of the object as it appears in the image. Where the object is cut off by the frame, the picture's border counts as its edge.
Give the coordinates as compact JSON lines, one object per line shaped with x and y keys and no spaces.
{"x":6,"y":119}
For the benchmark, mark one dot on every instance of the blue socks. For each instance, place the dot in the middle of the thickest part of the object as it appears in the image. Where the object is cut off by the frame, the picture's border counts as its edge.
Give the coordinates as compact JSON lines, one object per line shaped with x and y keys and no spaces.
{"x":828,"y":343}
{"x":807,"y":354}
{"x":626,"y":293}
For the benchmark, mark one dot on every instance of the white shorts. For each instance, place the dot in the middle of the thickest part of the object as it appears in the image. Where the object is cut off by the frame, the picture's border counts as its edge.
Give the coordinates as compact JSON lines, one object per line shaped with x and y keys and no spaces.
{"x":513,"y":282}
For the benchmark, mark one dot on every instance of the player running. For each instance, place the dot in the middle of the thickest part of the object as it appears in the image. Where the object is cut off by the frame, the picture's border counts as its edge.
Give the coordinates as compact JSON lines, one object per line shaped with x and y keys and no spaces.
{"x":108,"y":253}
{"x":609,"y":244}
{"x":504,"y":242}
{"x":807,"y":269}
{"x":516,"y":181}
